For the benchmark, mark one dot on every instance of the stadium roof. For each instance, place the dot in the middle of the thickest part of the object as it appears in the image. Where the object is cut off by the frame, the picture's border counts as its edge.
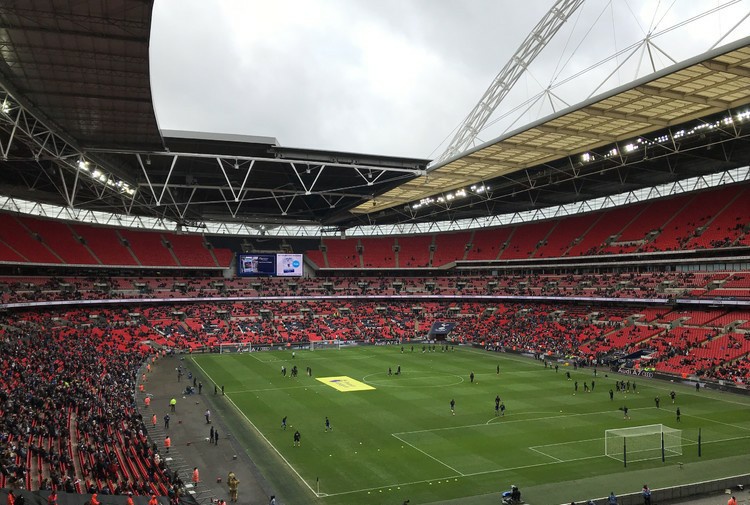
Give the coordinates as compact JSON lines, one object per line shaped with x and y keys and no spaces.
{"x":708,"y":84}
{"x":78,"y":129}
{"x":84,"y":66}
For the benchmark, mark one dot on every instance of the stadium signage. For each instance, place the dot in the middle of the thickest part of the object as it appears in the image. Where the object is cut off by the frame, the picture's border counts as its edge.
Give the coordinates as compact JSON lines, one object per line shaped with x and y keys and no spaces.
{"x":638,"y":373}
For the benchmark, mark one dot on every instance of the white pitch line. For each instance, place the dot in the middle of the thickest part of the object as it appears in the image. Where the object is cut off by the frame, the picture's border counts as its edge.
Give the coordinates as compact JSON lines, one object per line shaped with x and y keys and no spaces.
{"x":717,"y":422}
{"x":426,"y":454}
{"x":277,"y":389}
{"x":546,"y":455}
{"x":262,"y":436}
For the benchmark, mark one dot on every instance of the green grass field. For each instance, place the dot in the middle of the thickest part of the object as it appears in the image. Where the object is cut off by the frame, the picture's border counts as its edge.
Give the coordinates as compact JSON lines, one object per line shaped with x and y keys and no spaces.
{"x":399,"y":440}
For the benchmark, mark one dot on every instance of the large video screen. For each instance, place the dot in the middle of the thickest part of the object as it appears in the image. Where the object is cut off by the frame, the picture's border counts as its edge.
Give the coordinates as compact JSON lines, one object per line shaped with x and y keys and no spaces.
{"x":254,"y":265}
{"x":289,"y":265}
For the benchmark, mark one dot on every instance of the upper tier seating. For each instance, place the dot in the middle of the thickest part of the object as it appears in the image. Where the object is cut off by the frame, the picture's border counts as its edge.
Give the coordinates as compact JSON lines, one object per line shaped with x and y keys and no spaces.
{"x":61,"y":239}
{"x":148,"y":248}
{"x":414,"y":251}
{"x":342,"y":253}
{"x":17,"y":237}
{"x":378,"y":252}
{"x":190,"y":250}
{"x":450,"y":247}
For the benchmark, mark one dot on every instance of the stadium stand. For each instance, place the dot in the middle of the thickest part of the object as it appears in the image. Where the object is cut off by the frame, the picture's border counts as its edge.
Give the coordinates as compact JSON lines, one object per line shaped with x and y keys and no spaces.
{"x":414,"y":252}
{"x":106,"y":245}
{"x":60,"y":237}
{"x":378,"y":252}
{"x":450,"y":247}
{"x":190,"y":250}
{"x":342,"y":253}
{"x":487,"y":244}
{"x":20,"y":240}
{"x":148,"y":248}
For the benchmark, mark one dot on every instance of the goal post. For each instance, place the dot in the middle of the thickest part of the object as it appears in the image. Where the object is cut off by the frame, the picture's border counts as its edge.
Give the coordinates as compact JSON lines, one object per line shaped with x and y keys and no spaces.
{"x":317,"y":345}
{"x":639,"y":443}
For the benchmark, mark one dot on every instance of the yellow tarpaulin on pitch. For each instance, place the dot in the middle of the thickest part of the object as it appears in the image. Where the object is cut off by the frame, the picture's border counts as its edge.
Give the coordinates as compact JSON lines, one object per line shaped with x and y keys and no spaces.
{"x":344,"y":384}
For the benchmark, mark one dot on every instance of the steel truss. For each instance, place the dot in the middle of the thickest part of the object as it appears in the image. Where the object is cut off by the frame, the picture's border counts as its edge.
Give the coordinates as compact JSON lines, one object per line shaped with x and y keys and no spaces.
{"x":60,"y":163}
{"x":233,"y":194}
{"x":86,"y":180}
{"x":301,"y":231}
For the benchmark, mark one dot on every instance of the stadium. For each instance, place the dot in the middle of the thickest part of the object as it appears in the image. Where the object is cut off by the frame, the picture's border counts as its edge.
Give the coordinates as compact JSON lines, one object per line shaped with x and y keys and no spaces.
{"x":550,"y":316}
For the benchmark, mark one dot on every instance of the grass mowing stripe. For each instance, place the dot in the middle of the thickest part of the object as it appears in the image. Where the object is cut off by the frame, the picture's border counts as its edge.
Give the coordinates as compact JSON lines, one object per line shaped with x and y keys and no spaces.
{"x":398,"y":441}
{"x":260,"y":433}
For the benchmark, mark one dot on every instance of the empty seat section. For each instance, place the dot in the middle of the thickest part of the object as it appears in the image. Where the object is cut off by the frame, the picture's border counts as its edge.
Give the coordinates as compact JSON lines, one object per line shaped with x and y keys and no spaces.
{"x":487,"y":243}
{"x":610,"y":223}
{"x":342,"y":253}
{"x":190,"y":250}
{"x":316,"y":256}
{"x":651,"y":219}
{"x":149,"y":248}
{"x":526,"y":238}
{"x":378,"y":252}
{"x":60,"y":239}
{"x":17,"y":237}
{"x":224,"y":257}
{"x":8,"y":254}
{"x":701,"y":209}
{"x":566,"y":232}
{"x":450,"y":247}
{"x":105,"y":244}
{"x":414,"y":251}
{"x":726,"y":227}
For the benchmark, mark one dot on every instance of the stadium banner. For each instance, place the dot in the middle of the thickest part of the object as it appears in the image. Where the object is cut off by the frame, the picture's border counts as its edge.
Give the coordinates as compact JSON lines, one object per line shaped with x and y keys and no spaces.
{"x":345,"y":384}
{"x":441,"y":328}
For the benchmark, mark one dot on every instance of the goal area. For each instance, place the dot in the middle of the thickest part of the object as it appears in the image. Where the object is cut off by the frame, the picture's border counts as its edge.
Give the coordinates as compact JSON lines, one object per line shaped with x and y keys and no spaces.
{"x":639,"y":443}
{"x":319,"y":345}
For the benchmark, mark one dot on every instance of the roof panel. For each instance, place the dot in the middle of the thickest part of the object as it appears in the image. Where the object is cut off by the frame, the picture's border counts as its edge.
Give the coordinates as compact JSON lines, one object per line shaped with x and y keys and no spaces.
{"x":72,"y":61}
{"x":678,"y":95}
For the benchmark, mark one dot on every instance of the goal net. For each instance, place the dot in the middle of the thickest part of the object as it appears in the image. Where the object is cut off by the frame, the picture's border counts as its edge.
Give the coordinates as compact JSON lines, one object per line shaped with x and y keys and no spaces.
{"x":642,"y":442}
{"x":317,"y":345}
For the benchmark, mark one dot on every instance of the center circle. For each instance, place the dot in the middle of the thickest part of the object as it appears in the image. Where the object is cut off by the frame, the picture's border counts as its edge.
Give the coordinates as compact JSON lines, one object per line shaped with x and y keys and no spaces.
{"x":413,"y":379}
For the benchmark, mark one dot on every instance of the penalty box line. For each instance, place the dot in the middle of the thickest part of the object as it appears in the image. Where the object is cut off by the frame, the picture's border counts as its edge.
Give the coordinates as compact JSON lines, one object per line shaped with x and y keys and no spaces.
{"x":461,"y":474}
{"x":262,"y":436}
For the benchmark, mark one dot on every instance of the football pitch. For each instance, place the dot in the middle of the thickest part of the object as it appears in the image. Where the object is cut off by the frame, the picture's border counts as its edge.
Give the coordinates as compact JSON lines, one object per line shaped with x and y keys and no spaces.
{"x":394,"y":437}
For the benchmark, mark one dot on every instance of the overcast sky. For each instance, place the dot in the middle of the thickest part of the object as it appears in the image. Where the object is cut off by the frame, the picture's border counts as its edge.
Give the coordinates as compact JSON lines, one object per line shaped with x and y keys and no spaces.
{"x":396,"y":77}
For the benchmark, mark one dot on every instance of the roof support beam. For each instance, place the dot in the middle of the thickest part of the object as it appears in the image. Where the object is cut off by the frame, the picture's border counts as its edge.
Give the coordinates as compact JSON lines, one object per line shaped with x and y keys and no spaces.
{"x":719,"y":66}
{"x":611,"y":114}
{"x":570,"y":132}
{"x":676,"y":95}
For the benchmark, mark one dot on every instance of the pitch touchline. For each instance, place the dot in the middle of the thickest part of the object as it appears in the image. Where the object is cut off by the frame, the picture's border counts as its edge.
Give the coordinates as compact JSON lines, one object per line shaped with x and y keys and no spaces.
{"x":262,"y":435}
{"x":276,"y":389}
{"x":426,"y":454}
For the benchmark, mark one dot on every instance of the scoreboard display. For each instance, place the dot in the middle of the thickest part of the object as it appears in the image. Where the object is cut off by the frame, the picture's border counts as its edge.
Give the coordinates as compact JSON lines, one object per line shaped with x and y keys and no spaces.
{"x":270,"y":265}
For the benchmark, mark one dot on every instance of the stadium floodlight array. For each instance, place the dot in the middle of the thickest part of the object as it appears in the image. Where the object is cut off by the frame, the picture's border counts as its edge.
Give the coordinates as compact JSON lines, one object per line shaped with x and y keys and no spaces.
{"x":641,"y":443}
